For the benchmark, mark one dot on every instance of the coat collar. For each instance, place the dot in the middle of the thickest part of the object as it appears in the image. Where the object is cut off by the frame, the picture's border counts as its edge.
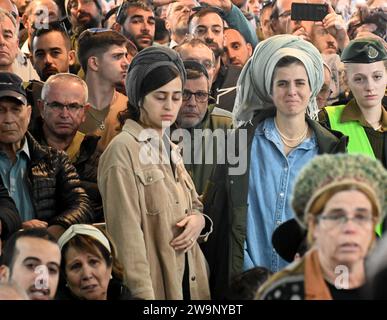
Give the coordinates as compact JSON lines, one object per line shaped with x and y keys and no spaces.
{"x":326,"y":139}
{"x":138,"y":132}
{"x":37,"y":151}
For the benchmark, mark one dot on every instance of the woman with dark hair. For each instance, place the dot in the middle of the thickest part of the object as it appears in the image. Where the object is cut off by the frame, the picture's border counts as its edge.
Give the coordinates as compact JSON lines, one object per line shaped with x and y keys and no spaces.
{"x":151,"y":207}
{"x":90,"y":266}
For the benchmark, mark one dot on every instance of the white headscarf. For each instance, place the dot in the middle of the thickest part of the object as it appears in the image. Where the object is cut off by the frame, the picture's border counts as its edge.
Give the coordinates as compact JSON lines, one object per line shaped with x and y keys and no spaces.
{"x":83,"y":229}
{"x":255,"y":80}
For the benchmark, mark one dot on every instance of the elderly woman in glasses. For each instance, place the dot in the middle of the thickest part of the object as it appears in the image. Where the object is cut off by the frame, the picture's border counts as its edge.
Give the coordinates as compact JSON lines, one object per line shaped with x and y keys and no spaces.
{"x":340,"y":199}
{"x":151,"y":207}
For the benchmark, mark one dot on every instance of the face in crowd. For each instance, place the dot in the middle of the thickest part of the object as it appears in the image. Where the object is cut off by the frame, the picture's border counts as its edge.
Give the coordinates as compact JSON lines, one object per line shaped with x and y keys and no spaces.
{"x":325,"y":92}
{"x":38,"y":14}
{"x":139,"y":27}
{"x":178,"y":15}
{"x":88,"y":271}
{"x":111,"y":65}
{"x":237,"y":50}
{"x":254,"y":7}
{"x":323,"y":40}
{"x":63,"y":108}
{"x":51,"y":54}
{"x":210,"y":29}
{"x":162,"y":105}
{"x":284,"y":25}
{"x":265,"y":22}
{"x":343,"y":232}
{"x":291,"y":91}
{"x":367,"y":82}
{"x":35,"y":267}
{"x":8,"y":42}
{"x":195,"y":102}
{"x":202,"y":54}
{"x":14,"y":120}
{"x":84,"y":14}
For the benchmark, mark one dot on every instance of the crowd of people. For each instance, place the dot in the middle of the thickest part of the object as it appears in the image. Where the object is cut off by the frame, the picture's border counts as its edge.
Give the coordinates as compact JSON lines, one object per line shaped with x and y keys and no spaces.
{"x":192,"y":150}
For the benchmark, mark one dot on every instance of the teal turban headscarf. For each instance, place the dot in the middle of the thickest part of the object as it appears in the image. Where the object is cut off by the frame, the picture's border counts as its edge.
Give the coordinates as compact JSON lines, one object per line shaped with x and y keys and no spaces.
{"x":255,"y":81}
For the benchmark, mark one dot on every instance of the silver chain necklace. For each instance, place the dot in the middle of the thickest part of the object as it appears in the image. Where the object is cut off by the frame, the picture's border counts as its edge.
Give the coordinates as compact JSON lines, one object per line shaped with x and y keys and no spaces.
{"x":101,"y":123}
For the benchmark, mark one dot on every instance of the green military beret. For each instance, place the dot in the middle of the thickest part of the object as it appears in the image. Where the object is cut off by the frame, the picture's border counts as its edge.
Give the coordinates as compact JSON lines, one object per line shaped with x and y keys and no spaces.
{"x":365,"y":50}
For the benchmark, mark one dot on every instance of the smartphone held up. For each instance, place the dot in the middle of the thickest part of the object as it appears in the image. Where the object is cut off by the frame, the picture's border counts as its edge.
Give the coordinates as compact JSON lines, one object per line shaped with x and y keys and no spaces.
{"x":308,"y":11}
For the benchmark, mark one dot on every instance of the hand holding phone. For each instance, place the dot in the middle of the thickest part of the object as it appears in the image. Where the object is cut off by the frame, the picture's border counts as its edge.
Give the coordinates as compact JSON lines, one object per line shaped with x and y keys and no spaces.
{"x":308,"y":11}
{"x":335,"y":25}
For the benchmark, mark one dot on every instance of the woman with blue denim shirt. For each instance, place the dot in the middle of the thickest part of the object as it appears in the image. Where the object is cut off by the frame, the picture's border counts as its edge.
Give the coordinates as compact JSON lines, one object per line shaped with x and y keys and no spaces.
{"x":275,"y":107}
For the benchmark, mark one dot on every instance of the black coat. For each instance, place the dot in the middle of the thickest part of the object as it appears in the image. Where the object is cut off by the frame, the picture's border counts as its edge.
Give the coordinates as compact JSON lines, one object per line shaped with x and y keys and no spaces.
{"x":9,"y":216}
{"x":227,"y":78}
{"x":86,"y":166}
{"x":56,"y":191}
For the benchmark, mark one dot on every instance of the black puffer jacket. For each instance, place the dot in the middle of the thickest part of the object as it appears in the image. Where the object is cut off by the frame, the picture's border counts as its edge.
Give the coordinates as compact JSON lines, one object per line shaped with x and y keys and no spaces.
{"x":86,"y":165}
{"x":56,"y":191}
{"x":9,"y":217}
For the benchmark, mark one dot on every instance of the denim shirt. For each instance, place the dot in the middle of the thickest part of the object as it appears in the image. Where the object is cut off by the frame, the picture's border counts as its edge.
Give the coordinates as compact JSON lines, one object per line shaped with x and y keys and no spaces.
{"x":14,"y":176}
{"x":271,"y":178}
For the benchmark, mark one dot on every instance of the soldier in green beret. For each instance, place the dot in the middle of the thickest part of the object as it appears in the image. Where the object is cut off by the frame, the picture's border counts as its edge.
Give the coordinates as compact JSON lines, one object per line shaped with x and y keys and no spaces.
{"x":364,"y":118}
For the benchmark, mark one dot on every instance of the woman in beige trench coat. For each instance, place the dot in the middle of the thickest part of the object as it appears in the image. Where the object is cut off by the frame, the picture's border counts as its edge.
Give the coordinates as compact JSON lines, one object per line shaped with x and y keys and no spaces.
{"x":151,"y":207}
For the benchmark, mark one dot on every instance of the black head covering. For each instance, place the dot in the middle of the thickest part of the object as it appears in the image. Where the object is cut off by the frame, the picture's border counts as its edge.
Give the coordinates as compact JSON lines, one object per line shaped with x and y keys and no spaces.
{"x":146,"y":61}
{"x":288,"y":239}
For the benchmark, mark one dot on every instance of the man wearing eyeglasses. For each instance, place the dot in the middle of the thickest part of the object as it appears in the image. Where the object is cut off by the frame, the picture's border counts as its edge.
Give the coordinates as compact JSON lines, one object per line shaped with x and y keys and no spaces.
{"x":197,"y":50}
{"x":42,"y":182}
{"x":196,"y":116}
{"x":63,"y":109}
{"x":208,"y":25}
{"x":51,"y":54}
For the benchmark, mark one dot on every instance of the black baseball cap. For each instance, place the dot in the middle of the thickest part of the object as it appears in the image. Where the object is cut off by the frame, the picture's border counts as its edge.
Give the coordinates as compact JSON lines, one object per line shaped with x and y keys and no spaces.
{"x":11,"y":85}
